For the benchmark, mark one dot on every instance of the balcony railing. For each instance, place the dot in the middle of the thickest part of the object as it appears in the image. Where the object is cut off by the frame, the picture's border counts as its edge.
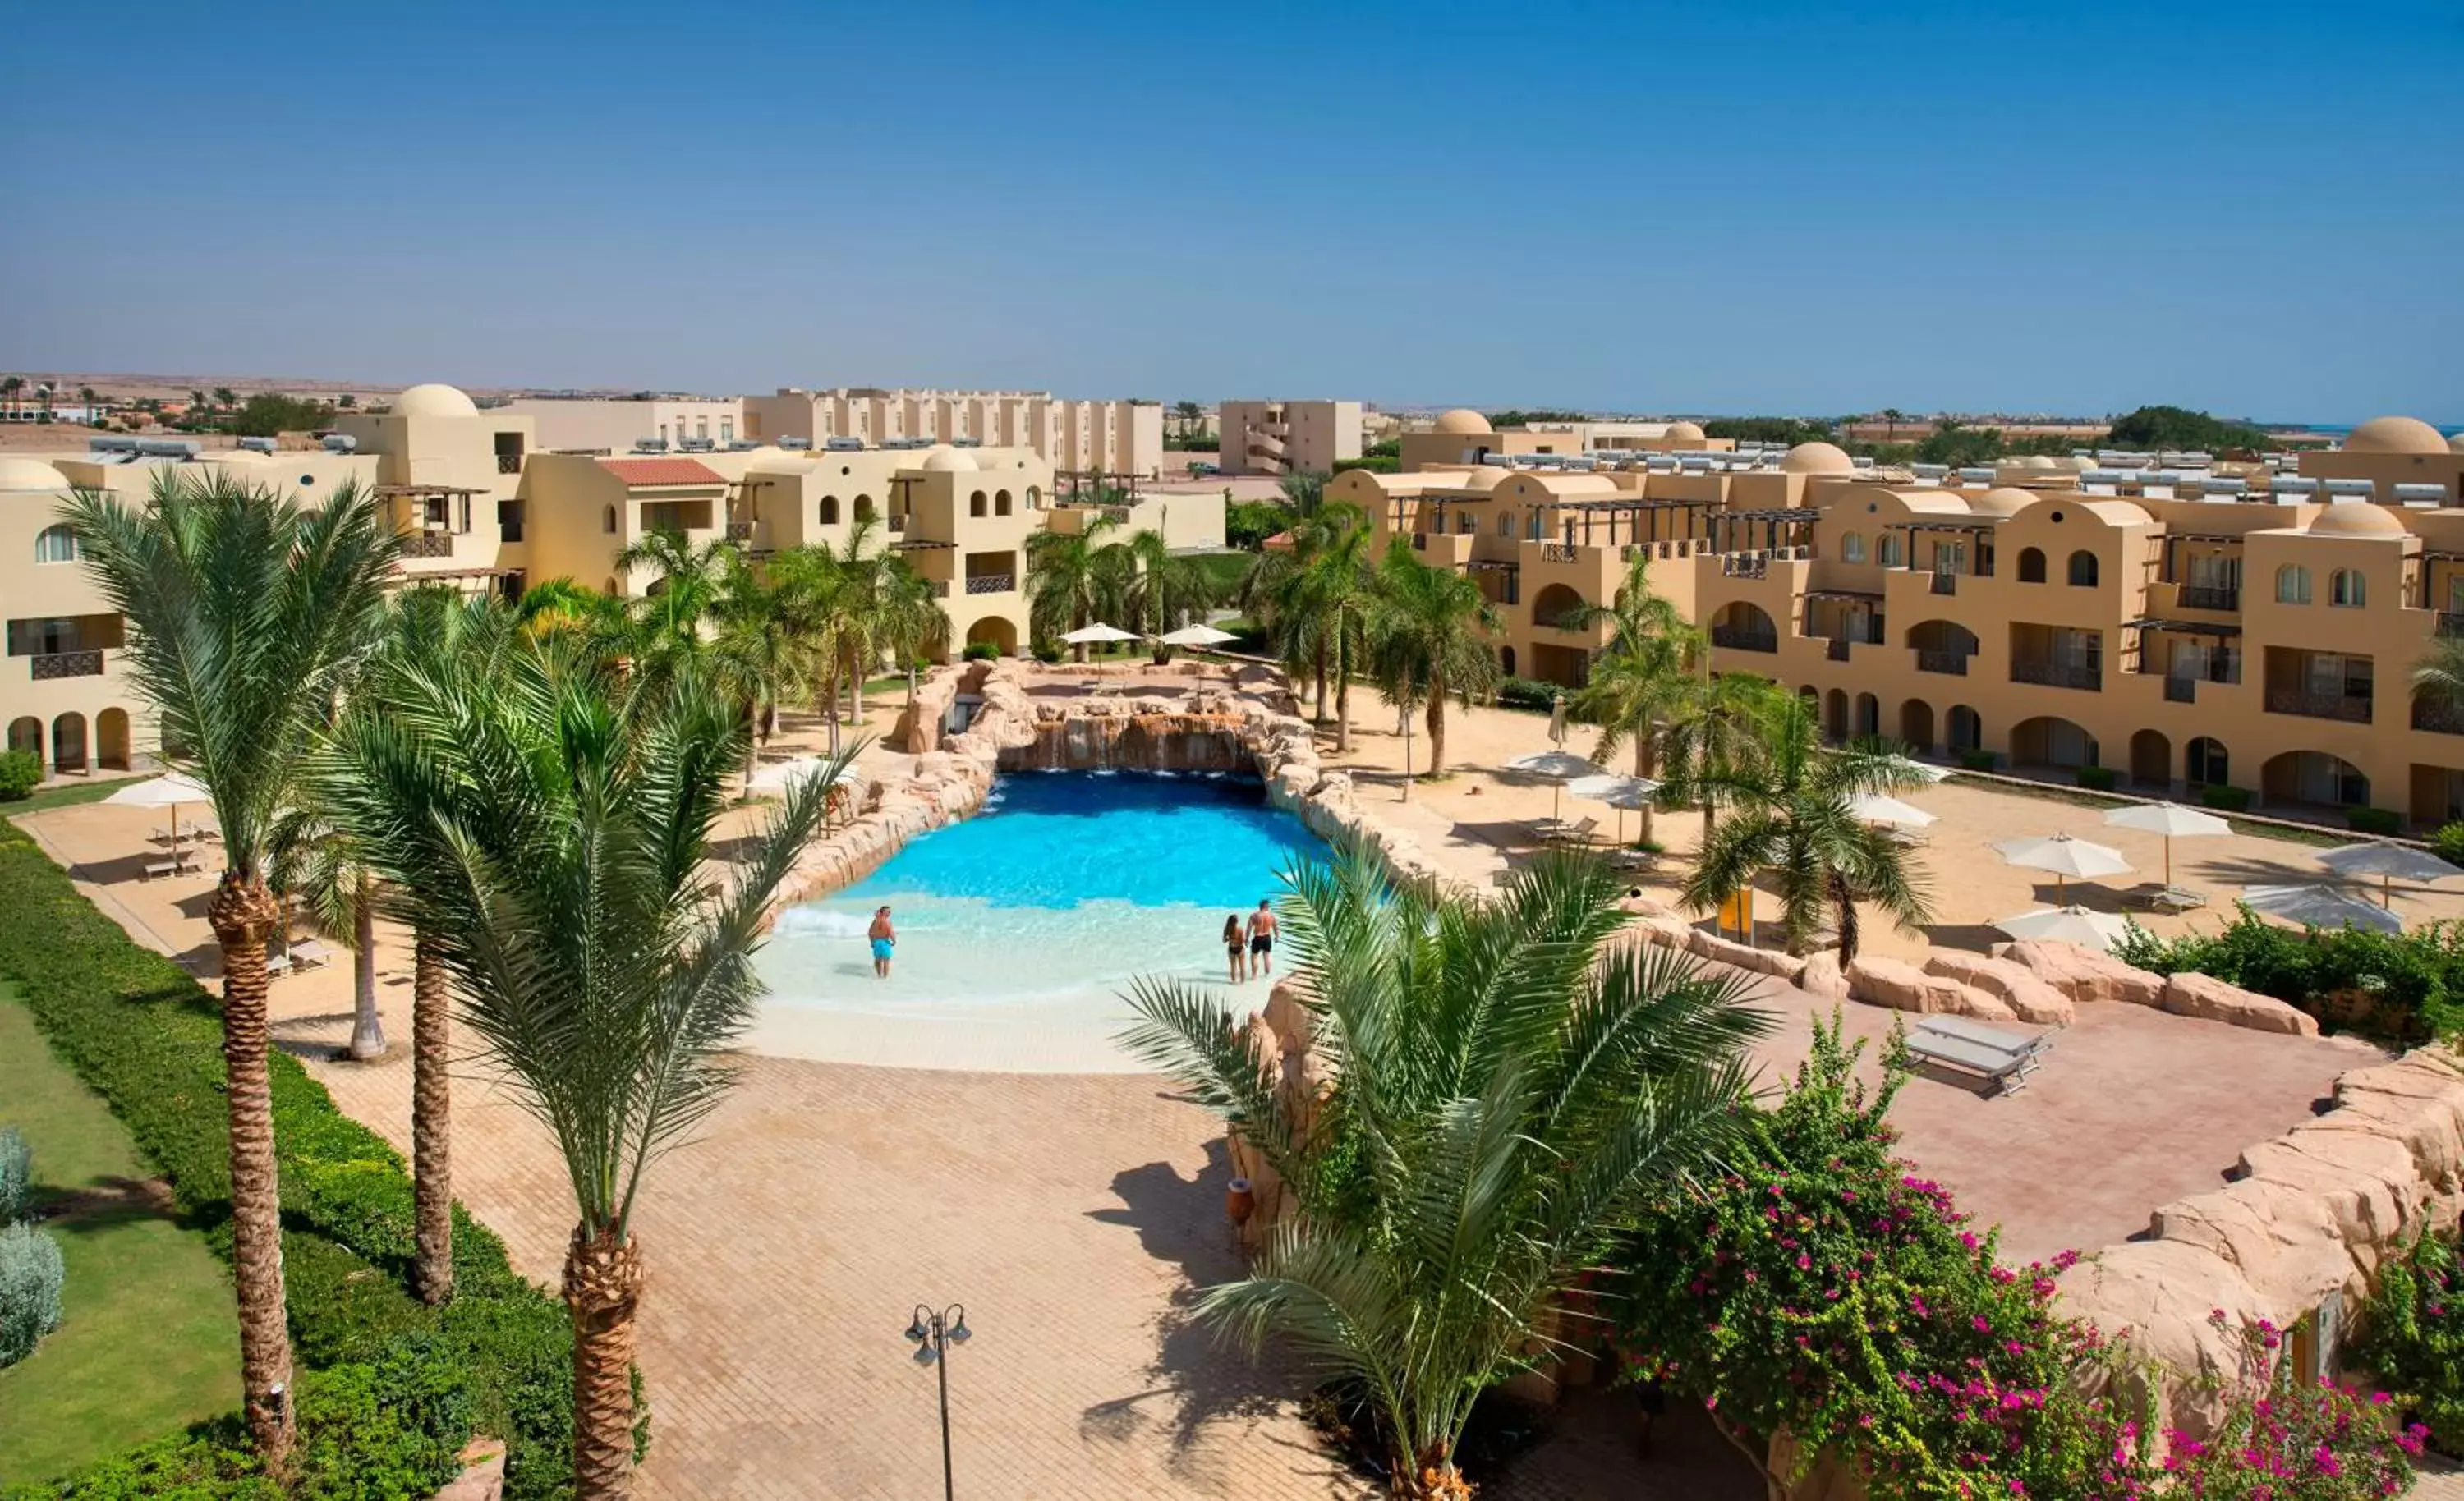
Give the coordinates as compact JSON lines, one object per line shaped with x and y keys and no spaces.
{"x":52,"y":664}
{"x":2210,"y":597}
{"x":1556,"y":551}
{"x":2181,"y":690}
{"x":2450,"y":623}
{"x":427,"y":544}
{"x":509,"y":464}
{"x":739,"y":532}
{"x":1944,"y":583}
{"x":940,"y":588}
{"x":1744,"y":637}
{"x":1419,"y":541}
{"x":2319,"y":706}
{"x":1117,"y":515}
{"x":897,"y":523}
{"x":1951,"y":662}
{"x":1743,"y":565}
{"x":2058,"y":675}
{"x":2437,"y":718}
{"x":991,"y":583}
{"x":1835,"y":649}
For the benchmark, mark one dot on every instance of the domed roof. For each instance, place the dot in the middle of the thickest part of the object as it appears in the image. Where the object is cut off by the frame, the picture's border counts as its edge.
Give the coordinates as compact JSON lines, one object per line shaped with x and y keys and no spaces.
{"x":1810,"y":458}
{"x":434,"y":401}
{"x":2455,"y":444}
{"x":2036,"y":461}
{"x":1463,"y":421}
{"x":2003,"y":501}
{"x":2355,"y":518}
{"x":1487,"y":477}
{"x":1687,"y":432}
{"x":2395,"y":435}
{"x":2080,"y":461}
{"x":942,"y":459}
{"x":29,"y":474}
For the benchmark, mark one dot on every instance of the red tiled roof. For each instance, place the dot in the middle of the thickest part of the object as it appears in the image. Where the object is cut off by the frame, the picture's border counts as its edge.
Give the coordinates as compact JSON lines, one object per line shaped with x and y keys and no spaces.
{"x":663,"y":471}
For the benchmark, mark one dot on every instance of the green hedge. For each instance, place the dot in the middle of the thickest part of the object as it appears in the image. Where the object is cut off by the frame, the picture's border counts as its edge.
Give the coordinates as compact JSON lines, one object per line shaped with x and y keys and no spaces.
{"x":2228,"y":800}
{"x":145,"y":1035}
{"x":2413,"y":982}
{"x":2097,"y":779}
{"x":2373,"y":820}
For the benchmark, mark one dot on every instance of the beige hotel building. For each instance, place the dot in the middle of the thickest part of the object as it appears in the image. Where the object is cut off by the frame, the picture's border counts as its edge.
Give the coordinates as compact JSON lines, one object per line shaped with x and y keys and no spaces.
{"x":1074,"y":437}
{"x":481,"y":507}
{"x":2178,"y":622}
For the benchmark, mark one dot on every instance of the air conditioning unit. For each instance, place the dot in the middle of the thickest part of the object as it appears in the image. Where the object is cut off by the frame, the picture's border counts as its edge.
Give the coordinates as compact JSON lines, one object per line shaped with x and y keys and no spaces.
{"x":341,"y":443}
{"x":258,"y":445}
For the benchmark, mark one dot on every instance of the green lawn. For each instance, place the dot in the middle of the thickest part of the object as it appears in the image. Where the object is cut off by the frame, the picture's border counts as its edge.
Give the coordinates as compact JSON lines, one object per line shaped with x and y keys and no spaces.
{"x":67,"y":791}
{"x":149,"y":1342}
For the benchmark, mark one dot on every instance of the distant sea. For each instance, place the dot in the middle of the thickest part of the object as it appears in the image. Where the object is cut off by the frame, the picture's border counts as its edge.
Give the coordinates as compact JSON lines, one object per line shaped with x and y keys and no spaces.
{"x":2339,"y":429}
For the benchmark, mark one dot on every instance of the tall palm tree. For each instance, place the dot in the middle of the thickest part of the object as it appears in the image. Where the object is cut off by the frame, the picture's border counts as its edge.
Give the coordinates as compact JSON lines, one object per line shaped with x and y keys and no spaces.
{"x":1339,"y":592}
{"x":1721,"y":727}
{"x":2438,"y":678}
{"x":1428,"y":636}
{"x":1166,"y":588}
{"x":1310,"y":599}
{"x":556,"y":836}
{"x":1642,"y":679}
{"x":691,"y":580}
{"x":1070,"y":576}
{"x":1508,"y":1084}
{"x":310,"y":860}
{"x":247,"y":619}
{"x":1792,"y":818}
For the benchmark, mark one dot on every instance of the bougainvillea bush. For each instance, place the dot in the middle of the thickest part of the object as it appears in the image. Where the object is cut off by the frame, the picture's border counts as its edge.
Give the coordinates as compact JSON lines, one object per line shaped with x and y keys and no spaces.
{"x":2280,"y":1441}
{"x":2412,"y":1335}
{"x":1821,"y":1298}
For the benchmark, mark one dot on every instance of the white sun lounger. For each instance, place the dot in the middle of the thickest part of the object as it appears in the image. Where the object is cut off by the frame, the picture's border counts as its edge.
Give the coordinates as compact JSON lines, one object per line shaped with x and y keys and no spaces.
{"x":2006,"y":1071}
{"x":308,"y":952}
{"x":1966,"y":1030}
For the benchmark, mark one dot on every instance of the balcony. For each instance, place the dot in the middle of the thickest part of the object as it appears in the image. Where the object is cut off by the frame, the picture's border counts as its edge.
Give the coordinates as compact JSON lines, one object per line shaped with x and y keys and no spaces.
{"x":427,"y":544}
{"x":1950,"y":663}
{"x":1558,"y":552}
{"x":991,"y":583}
{"x":2210,"y":597}
{"x":1117,"y":515}
{"x":2058,"y":675}
{"x":2450,"y":623}
{"x":898,"y":524}
{"x":1944,"y":583}
{"x":1743,"y":565}
{"x":2436,"y":718}
{"x":51,"y":664}
{"x":940,"y":588}
{"x":2354,"y":710}
{"x":1743,"y":637}
{"x":509,"y":464}
{"x":739,"y":532}
{"x":1836,"y":649}
{"x":2181,"y":690}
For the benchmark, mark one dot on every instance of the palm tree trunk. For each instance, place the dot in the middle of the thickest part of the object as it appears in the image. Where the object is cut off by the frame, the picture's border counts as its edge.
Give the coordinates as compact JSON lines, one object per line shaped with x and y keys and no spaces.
{"x":367,"y":1028}
{"x":1437,"y":727}
{"x":1319,"y":711}
{"x":432,"y":1121}
{"x":242,"y":914}
{"x":1646,"y":760}
{"x":602,"y":1289}
{"x":1845,"y":901}
{"x":1343,"y":715}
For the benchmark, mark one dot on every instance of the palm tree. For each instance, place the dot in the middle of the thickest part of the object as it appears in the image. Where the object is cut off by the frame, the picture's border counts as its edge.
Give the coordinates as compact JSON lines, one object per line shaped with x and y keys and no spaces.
{"x":308,"y":859}
{"x":692,"y":581}
{"x":247,"y":619}
{"x":1427,"y":640}
{"x":1069,"y":576}
{"x":1508,"y":1085}
{"x":225,"y":396}
{"x":1301,"y":595}
{"x":1338,"y":592}
{"x":1794,"y":817}
{"x":1642,"y":679}
{"x":2438,"y":678}
{"x":557,"y":837}
{"x":1721,"y":727}
{"x":1166,"y":588}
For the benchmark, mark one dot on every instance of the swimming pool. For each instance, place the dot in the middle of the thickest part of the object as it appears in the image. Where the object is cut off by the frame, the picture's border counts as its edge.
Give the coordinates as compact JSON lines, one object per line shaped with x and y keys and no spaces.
{"x":1020,"y":928}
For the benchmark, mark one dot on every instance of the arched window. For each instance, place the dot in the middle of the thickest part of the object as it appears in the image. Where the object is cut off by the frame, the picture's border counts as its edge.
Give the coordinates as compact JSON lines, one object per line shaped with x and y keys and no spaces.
{"x":1466,"y":523}
{"x":1532,"y":526}
{"x":863,"y":510}
{"x":1001,"y":503}
{"x":829,"y":511}
{"x":607,"y":520}
{"x":976,"y":503}
{"x":1852,"y":548}
{"x":2344,"y":587}
{"x":1034,"y":498}
{"x":55,"y":545}
{"x":1890,"y":552}
{"x":2293,"y":585}
{"x":1505,"y":523}
{"x":608,"y":588}
{"x":2082,"y":569}
{"x":2032,"y":565}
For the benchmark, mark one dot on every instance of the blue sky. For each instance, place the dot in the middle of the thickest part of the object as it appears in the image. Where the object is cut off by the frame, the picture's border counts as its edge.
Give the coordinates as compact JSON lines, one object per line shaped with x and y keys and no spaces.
{"x":1786,"y":207}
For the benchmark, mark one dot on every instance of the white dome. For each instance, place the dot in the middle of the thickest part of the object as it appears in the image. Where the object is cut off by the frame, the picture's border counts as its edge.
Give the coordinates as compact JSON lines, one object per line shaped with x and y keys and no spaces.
{"x":942,"y":459}
{"x":434,"y":401}
{"x":31,"y":474}
{"x":1817,"y":457}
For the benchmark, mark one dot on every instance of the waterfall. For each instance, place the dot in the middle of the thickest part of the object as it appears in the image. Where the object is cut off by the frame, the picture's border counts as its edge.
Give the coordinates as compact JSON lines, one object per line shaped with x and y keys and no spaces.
{"x":1139,"y":743}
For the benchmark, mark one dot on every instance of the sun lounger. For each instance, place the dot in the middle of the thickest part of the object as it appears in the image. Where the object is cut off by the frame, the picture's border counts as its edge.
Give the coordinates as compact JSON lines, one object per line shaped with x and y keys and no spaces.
{"x":178,"y":864}
{"x":1572,"y":833}
{"x":1966,"y":1030}
{"x":2007,"y":1072}
{"x":310,"y":953}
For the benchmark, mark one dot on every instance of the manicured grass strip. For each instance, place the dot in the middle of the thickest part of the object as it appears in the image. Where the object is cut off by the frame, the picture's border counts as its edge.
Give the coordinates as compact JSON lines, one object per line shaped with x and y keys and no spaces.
{"x":67,"y":793}
{"x":149,"y":1343}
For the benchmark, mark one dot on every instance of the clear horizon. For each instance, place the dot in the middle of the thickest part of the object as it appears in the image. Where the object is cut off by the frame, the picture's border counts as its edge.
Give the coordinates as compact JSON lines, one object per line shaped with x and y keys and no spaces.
{"x":1798,"y":208}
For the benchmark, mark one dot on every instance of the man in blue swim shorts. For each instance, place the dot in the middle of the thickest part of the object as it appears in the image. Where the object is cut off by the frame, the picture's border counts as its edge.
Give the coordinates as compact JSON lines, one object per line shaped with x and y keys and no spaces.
{"x":885,"y":938}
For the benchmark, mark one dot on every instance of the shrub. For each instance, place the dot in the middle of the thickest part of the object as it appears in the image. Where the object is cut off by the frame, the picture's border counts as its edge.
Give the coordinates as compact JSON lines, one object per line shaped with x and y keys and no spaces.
{"x":21,"y":772}
{"x":2228,"y":799}
{"x":1526,"y":694}
{"x":2412,"y":1335}
{"x":2284,"y":1441}
{"x":2097,"y":779}
{"x":2373,"y":820}
{"x":1047,"y":652}
{"x":1978,"y":760}
{"x":980,"y":651}
{"x":30,"y":1290}
{"x":139,"y":1031}
{"x":2447,"y":844}
{"x":16,"y":1176}
{"x":2411,"y":984}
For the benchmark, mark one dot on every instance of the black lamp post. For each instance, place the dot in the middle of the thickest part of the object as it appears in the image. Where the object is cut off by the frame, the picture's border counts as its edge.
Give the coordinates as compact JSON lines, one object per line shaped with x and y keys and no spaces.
{"x":933,"y":1334}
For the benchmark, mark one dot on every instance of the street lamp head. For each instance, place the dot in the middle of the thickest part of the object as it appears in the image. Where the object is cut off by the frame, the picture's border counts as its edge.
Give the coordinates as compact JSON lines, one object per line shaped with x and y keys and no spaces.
{"x":916,"y":1333}
{"x":959,"y":1331}
{"x":926,"y":1354}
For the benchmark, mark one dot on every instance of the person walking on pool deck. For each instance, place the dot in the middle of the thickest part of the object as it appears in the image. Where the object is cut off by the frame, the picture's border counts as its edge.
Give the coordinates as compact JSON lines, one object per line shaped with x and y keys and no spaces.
{"x":1232,"y":946}
{"x":885,"y":938}
{"x":1262,"y":940}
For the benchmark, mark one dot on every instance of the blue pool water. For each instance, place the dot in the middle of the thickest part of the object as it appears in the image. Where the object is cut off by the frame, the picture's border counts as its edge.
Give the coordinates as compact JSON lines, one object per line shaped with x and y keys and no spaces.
{"x":1020,"y":928}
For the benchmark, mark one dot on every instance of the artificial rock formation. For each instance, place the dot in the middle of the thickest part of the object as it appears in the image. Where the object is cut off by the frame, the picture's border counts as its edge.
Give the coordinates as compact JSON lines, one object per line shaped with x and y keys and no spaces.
{"x":2084,"y":974}
{"x":1902,"y":987}
{"x":2029,"y":998}
{"x":2211,"y":999}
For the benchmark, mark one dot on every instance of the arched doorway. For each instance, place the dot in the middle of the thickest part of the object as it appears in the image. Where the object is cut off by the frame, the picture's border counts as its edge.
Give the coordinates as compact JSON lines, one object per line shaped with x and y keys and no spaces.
{"x":997,"y":631}
{"x":1743,"y":627}
{"x":2050,"y":741}
{"x":1869,"y":715}
{"x":2314,"y":777}
{"x":1551,"y":607}
{"x":26,"y":733}
{"x":68,"y":743}
{"x":1962,"y":729}
{"x":1505,"y":660}
{"x":2204,"y":764}
{"x":1916,"y":723}
{"x":111,"y":739}
{"x":1835,"y":714}
{"x":2151,"y":759}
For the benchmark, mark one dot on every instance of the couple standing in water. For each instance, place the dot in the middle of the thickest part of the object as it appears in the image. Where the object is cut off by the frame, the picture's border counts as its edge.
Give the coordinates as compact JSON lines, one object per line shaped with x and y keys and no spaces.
{"x":1255,"y":943}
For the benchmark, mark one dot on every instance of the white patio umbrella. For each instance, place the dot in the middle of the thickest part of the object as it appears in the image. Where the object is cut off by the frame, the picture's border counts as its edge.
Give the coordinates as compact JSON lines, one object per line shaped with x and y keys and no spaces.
{"x":2174,"y":821}
{"x":1098,"y":634}
{"x":1557,"y":766}
{"x":1620,"y":793}
{"x":2320,"y":906}
{"x":1910,"y":769}
{"x":2391,"y":863}
{"x":2097,"y":930}
{"x":2064,"y":857}
{"x":1198,"y":636}
{"x":163,"y":791}
{"x":1881,"y":808}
